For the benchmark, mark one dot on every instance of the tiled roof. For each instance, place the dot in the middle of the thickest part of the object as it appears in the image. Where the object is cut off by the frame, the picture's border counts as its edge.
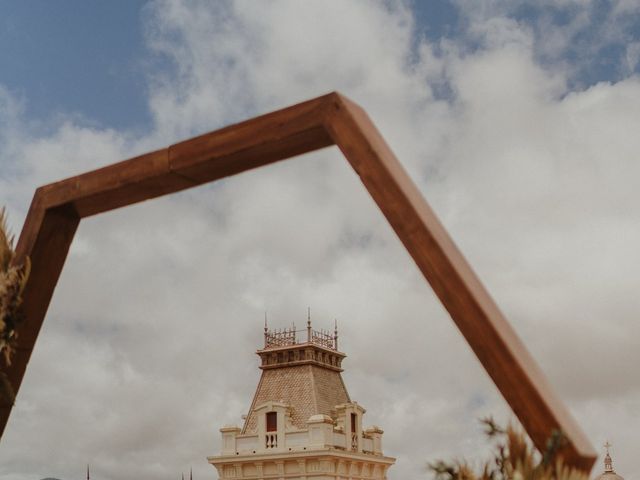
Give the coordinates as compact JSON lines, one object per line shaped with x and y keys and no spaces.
{"x":309,"y":389}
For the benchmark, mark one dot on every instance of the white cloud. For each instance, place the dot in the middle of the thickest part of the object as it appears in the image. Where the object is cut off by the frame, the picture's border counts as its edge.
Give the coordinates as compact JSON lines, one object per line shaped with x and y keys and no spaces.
{"x":633,"y":56}
{"x":147,"y":348}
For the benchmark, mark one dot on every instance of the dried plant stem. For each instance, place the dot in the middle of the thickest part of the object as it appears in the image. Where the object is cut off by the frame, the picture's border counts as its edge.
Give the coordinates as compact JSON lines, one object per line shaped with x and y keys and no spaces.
{"x":513,"y":459}
{"x":13,"y":279}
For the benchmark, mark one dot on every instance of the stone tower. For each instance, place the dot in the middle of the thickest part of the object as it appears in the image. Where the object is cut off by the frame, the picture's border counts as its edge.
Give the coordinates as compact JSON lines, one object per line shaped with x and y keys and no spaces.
{"x":609,"y":473}
{"x":301,"y":423}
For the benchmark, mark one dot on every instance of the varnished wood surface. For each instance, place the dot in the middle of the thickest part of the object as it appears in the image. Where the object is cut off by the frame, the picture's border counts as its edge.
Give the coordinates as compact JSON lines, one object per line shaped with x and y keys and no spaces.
{"x":332,"y":119}
{"x":487,"y":331}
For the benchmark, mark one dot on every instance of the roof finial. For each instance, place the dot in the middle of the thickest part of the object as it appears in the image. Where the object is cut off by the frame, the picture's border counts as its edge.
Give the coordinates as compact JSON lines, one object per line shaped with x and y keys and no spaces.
{"x":608,"y":464}
{"x":309,"y":324}
{"x":266,"y":330}
{"x":335,"y":334}
{"x":88,"y":472}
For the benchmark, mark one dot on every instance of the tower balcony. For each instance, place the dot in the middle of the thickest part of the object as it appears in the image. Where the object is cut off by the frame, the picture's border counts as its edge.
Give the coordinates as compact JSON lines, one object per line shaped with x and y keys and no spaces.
{"x":321,"y":435}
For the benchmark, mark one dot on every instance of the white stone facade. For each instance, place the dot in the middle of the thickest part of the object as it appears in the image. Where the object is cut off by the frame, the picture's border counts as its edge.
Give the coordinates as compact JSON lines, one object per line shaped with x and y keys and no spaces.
{"x":326,"y":449}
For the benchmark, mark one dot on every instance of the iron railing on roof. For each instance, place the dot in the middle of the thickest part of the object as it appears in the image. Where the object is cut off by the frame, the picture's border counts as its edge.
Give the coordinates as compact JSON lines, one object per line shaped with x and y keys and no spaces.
{"x":290,"y":336}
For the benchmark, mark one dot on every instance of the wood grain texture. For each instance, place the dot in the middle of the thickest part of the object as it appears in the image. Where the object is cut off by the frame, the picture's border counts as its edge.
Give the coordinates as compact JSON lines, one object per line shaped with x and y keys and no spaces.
{"x":46,"y":238}
{"x":479,"y":319}
{"x":257,"y":142}
{"x":331,"y":119}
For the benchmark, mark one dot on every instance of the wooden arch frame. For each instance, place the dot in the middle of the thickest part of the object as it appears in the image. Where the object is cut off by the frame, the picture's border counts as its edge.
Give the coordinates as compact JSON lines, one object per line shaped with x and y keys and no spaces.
{"x":57,"y":208}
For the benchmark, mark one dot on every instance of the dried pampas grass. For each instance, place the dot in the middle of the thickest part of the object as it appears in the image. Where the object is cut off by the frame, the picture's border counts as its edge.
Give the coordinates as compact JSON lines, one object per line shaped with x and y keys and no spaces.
{"x":513,"y":459}
{"x":13,"y":279}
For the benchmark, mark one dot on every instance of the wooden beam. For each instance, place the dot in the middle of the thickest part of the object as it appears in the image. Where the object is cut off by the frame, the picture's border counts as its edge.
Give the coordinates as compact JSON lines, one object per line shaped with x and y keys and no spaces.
{"x":46,"y":239}
{"x":57,"y":209}
{"x":254,"y":143}
{"x":222,"y":153}
{"x":117,"y":185}
{"x":479,"y":319}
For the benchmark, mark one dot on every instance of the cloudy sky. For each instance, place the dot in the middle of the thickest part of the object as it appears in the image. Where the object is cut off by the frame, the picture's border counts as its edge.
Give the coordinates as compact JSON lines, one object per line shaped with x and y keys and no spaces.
{"x":518,"y":120}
